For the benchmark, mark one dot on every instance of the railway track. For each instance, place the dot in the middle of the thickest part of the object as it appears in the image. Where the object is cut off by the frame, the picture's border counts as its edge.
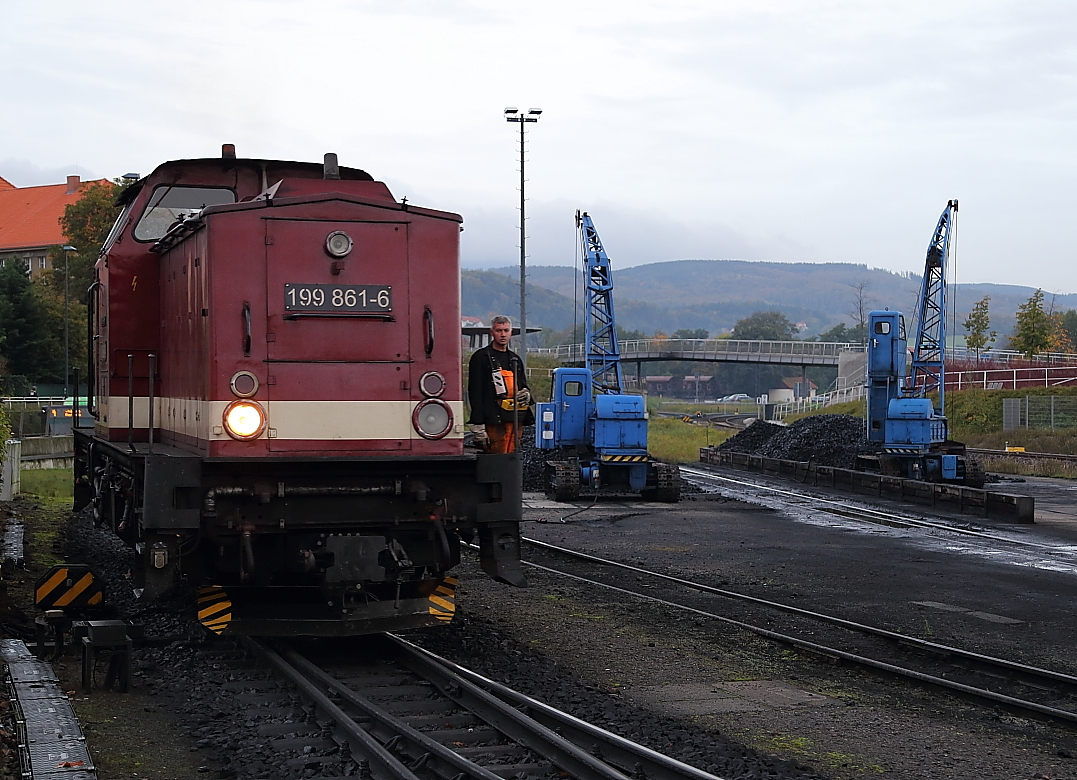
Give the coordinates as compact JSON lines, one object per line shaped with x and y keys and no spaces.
{"x":1035,"y":553}
{"x":1022,"y":455}
{"x":1023,"y":689}
{"x":404,"y":713}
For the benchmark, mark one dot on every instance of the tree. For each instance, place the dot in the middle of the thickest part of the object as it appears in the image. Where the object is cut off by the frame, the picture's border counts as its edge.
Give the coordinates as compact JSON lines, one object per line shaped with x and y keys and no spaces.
{"x":86,"y":224}
{"x":30,"y":346}
{"x":843,"y":333}
{"x":976,"y":326}
{"x":861,"y":307}
{"x":1032,"y":333}
{"x":691,"y":333}
{"x":1058,"y":340}
{"x":1069,"y":325}
{"x":767,"y":325}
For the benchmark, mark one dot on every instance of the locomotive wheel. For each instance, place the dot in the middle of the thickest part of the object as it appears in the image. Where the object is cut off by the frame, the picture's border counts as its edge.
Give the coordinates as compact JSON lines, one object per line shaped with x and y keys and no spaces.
{"x":974,"y":473}
{"x":669,"y":483}
{"x":562,"y":480}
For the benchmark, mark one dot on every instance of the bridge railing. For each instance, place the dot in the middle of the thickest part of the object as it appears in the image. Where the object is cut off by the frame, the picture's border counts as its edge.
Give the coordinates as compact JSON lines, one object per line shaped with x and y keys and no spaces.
{"x":800,"y":405}
{"x":704,"y":349}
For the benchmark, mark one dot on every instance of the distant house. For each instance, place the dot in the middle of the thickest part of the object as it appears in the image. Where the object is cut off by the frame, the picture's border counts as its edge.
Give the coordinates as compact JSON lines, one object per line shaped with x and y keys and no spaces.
{"x":30,"y":220}
{"x":802,"y":387}
{"x":698,"y":386}
{"x":661,"y":385}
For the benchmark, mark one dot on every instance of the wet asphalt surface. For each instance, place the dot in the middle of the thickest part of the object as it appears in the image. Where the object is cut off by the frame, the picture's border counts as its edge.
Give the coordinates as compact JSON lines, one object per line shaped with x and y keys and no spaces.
{"x":980,"y":595}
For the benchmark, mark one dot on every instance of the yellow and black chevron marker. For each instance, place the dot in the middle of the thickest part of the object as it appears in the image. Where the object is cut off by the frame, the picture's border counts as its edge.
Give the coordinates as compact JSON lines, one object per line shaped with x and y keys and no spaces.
{"x":625,"y":458}
{"x":214,"y":608}
{"x":443,"y":600}
{"x":68,"y":587}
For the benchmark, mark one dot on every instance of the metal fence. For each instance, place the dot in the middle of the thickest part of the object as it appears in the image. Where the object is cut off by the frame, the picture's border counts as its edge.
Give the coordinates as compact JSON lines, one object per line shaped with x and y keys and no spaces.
{"x":709,"y":349}
{"x":1039,"y":412}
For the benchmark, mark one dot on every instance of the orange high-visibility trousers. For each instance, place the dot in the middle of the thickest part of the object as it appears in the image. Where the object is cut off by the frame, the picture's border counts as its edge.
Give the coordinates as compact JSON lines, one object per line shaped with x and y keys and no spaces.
{"x":501,"y":438}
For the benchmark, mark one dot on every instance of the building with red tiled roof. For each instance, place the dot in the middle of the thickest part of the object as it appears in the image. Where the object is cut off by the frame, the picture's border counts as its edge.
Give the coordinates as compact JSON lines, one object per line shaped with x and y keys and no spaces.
{"x":30,"y":219}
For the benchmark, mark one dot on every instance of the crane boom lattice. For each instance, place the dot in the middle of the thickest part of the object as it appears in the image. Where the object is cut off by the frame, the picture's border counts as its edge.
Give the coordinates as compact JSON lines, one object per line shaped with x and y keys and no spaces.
{"x":929,"y":350}
{"x":603,"y":354}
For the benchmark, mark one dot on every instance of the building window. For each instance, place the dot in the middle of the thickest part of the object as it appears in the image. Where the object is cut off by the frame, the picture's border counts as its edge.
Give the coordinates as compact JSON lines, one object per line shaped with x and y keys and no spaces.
{"x":41,"y":262}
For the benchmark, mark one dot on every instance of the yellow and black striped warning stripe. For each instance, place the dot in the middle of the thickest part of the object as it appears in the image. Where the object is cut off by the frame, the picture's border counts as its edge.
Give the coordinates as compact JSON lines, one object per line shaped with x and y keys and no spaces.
{"x":214,"y":608}
{"x":443,"y":600}
{"x":625,"y":458}
{"x":63,"y":587}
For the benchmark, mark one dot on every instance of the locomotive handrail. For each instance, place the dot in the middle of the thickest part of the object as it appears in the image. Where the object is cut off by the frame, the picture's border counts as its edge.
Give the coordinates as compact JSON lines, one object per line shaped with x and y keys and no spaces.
{"x":91,"y":319}
{"x":428,"y":320}
{"x":246,"y":328}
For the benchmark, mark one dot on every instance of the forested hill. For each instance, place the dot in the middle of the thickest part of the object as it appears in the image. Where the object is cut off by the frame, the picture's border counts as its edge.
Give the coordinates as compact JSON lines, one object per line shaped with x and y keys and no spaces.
{"x":714,"y":294}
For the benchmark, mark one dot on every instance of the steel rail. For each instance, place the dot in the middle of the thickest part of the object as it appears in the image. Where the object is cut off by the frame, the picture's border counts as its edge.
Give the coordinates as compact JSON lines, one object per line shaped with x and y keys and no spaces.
{"x":509,"y":721}
{"x":1009,"y":702}
{"x":1021,"y":455}
{"x":640,"y":761}
{"x":364,"y":749}
{"x":1030,"y":674}
{"x":587,"y":753}
{"x":870,"y":515}
{"x":416,"y":745}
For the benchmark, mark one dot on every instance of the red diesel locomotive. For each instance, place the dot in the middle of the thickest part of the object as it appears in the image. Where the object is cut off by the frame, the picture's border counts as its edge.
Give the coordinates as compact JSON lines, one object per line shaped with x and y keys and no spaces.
{"x":276,"y":392}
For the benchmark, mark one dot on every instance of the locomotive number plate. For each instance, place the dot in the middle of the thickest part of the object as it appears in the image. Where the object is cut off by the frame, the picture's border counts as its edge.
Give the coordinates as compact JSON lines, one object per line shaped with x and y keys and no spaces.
{"x":338,"y":297}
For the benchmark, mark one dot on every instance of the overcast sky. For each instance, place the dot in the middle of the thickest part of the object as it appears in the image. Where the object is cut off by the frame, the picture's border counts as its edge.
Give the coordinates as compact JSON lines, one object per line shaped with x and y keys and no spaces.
{"x":792,"y":130}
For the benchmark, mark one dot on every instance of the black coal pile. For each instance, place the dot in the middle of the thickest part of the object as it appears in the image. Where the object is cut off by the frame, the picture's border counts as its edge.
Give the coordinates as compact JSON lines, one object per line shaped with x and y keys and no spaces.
{"x":824,"y":439}
{"x":751,"y":438}
{"x":534,"y":462}
{"x":112,"y":563}
{"x":476,"y":643}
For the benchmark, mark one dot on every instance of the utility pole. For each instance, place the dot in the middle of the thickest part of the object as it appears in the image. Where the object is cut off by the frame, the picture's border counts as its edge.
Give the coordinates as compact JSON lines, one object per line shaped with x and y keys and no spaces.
{"x":515,"y":115}
{"x":67,"y":360}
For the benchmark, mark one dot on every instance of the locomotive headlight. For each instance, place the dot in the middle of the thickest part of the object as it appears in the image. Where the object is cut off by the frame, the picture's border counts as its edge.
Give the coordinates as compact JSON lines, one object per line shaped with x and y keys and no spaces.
{"x":244,"y":420}
{"x":432,"y":418}
{"x":338,"y":243}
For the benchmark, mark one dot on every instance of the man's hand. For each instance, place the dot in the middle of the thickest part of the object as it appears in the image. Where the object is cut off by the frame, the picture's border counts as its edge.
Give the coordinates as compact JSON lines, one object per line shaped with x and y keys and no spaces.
{"x":479,"y":436}
{"x":523,"y":397}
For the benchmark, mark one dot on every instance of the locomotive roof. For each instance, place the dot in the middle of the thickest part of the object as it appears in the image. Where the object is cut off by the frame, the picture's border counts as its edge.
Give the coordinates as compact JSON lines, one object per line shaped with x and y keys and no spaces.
{"x":273,"y":168}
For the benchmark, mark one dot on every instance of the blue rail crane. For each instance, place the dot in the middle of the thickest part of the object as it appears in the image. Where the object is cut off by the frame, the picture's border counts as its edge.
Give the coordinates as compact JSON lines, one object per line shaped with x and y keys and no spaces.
{"x":597,"y":431}
{"x":909,"y":431}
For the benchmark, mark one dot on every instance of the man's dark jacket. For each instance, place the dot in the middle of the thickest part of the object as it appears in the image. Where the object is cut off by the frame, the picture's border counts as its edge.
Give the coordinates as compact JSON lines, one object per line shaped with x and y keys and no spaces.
{"x":480,"y":387}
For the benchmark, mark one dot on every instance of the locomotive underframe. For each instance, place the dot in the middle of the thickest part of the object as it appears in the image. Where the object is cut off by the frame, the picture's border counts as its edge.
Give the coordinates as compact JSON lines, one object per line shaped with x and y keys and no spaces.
{"x":334,"y":545}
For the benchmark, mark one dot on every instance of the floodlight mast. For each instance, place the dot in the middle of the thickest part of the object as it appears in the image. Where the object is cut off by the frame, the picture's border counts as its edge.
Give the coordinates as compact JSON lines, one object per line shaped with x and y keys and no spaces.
{"x":513,"y":114}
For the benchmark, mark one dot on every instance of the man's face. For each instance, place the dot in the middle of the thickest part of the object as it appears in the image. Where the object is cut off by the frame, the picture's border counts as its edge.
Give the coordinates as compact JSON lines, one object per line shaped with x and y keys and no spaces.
{"x":500,"y":334}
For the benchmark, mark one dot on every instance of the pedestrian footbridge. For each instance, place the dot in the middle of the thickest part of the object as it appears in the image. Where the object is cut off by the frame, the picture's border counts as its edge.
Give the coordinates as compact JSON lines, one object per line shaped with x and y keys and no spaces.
{"x":795,"y":353}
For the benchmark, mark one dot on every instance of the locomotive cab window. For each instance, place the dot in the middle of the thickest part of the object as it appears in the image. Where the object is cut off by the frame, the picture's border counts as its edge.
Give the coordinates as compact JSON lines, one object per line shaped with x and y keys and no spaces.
{"x":169,"y":204}
{"x":882,"y":327}
{"x":573,"y":388}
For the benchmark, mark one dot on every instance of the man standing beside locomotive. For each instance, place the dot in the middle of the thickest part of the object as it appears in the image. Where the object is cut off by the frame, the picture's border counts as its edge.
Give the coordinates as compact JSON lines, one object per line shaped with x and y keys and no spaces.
{"x":497,"y":389}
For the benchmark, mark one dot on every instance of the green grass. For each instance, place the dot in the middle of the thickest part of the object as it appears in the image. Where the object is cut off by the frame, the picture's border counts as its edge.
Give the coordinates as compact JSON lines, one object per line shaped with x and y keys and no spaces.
{"x":854,"y":408}
{"x":47,"y":483}
{"x":673,"y":441}
{"x":690,"y":408}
